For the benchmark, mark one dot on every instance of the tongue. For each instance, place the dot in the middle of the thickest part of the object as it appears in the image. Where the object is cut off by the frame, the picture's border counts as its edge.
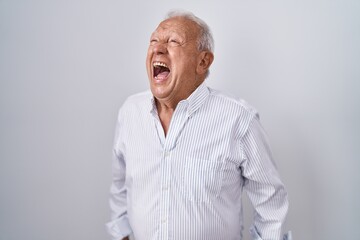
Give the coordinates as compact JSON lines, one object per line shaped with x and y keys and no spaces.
{"x":162,"y":75}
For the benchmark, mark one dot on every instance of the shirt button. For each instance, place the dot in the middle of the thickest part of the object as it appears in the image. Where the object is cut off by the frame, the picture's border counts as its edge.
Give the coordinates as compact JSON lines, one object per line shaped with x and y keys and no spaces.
{"x":167,"y":154}
{"x":163,"y":220}
{"x":165,"y":188}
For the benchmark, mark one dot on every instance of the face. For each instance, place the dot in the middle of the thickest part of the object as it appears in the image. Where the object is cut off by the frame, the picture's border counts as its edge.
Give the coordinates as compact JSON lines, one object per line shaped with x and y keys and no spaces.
{"x":172,"y":60}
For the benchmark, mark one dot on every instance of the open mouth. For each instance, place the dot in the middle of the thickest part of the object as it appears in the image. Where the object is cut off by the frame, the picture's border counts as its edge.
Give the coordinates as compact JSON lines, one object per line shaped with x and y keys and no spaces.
{"x":161,"y":70}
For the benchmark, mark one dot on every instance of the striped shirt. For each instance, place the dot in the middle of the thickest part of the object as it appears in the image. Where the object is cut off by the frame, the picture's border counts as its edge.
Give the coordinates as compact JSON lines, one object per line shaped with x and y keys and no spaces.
{"x":188,"y":185}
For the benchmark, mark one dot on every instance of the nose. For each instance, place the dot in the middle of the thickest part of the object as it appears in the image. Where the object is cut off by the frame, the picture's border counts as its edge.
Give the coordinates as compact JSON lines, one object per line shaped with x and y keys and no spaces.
{"x":160,"y":48}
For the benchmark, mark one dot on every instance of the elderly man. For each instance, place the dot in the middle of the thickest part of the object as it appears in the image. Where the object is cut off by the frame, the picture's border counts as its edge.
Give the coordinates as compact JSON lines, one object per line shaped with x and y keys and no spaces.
{"x":183,"y":153}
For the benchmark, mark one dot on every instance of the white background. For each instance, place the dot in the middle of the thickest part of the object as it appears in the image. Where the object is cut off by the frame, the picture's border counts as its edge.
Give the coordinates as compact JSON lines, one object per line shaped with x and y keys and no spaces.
{"x":67,"y":66}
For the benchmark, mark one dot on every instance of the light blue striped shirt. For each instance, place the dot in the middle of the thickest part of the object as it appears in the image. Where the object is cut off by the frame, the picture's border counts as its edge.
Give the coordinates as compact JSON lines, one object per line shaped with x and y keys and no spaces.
{"x":188,"y":185}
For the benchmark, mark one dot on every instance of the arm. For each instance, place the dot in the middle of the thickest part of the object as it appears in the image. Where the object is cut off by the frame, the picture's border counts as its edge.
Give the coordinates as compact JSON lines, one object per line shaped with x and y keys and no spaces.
{"x":118,"y":227}
{"x":263,"y":184}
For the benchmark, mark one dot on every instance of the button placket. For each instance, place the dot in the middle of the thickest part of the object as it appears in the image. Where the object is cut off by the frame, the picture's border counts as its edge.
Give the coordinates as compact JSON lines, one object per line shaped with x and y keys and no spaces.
{"x":165,"y":198}
{"x":176,"y":125}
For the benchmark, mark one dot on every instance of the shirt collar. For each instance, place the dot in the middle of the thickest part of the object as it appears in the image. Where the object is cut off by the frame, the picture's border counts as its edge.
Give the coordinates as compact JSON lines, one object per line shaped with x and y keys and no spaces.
{"x":197,"y":98}
{"x":194,"y":101}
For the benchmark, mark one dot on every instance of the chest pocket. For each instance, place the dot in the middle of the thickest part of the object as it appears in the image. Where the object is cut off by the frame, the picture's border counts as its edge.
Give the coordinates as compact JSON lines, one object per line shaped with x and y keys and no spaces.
{"x":202,"y":179}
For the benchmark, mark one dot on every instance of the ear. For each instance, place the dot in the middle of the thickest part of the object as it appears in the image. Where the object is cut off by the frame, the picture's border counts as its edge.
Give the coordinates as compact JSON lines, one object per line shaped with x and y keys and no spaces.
{"x":205,"y":60}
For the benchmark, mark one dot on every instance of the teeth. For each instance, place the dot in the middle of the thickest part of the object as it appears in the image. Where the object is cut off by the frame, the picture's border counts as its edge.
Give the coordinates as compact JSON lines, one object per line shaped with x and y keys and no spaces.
{"x":160,"y":64}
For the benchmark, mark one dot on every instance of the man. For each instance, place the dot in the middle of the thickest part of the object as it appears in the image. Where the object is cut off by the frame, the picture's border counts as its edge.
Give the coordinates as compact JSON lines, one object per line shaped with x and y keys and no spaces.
{"x":184,"y":152}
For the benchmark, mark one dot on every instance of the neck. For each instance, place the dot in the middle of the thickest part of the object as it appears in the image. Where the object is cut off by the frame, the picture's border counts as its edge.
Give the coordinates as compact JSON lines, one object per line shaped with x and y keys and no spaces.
{"x":165,"y":112}
{"x":166,"y":107}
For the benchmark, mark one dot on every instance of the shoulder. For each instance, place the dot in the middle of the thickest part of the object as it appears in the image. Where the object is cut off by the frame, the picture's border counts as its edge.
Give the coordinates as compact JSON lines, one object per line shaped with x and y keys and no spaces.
{"x":138,"y":98}
{"x":234,"y":110}
{"x":135,"y":103}
{"x":141,"y":99}
{"x":229,"y":102}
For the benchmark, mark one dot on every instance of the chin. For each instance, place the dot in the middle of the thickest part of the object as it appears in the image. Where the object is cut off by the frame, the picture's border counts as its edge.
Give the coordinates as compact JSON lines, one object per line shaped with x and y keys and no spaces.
{"x":161,"y":92}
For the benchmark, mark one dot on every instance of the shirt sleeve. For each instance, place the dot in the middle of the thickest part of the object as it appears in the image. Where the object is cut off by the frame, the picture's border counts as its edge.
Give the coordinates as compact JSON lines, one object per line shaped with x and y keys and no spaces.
{"x":263,"y":184}
{"x":119,"y":226}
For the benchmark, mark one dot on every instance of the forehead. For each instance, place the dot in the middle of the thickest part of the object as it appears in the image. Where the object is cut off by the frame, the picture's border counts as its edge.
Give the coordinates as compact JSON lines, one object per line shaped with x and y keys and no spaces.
{"x":178,"y":25}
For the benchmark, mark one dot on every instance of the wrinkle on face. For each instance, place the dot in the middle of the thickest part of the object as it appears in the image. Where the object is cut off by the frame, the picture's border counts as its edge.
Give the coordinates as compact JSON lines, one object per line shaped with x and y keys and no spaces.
{"x":174,"y":43}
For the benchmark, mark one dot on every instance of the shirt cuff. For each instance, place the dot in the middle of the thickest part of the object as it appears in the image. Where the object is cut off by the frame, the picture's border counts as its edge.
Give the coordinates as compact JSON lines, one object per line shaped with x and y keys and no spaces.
{"x":287,"y":236}
{"x":119,"y":228}
{"x":255,"y":235}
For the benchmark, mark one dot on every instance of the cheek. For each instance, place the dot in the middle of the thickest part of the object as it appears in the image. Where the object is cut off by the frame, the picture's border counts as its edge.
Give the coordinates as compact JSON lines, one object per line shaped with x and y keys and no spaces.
{"x":148,"y":54}
{"x":148,"y":58}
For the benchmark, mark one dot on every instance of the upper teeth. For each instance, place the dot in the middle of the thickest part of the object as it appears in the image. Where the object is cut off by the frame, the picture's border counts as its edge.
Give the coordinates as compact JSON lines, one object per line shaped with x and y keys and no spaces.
{"x":159,"y":64}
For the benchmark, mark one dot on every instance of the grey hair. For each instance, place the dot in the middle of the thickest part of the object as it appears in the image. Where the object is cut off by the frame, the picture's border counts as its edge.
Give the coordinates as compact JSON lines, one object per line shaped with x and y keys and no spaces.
{"x":205,"y":40}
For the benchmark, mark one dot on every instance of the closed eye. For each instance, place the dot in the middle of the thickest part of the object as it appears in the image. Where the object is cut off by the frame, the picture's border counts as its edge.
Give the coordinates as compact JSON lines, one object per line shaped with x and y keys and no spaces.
{"x":153,"y":41}
{"x":174,"y":42}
